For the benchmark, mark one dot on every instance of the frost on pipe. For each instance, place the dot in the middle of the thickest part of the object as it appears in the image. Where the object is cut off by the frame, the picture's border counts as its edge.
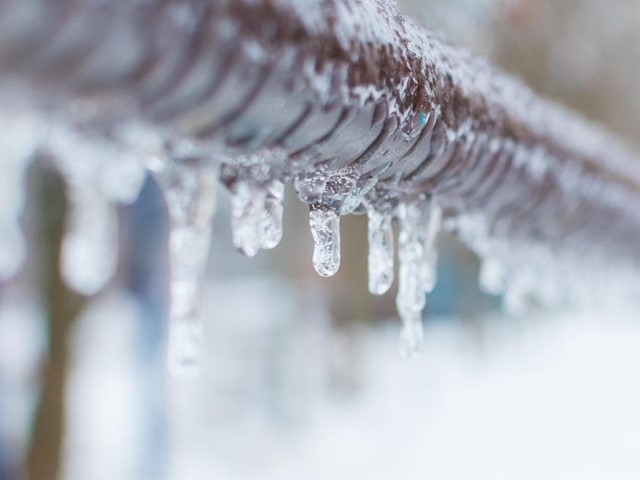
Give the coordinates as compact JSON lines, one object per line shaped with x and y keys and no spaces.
{"x":356,"y":106}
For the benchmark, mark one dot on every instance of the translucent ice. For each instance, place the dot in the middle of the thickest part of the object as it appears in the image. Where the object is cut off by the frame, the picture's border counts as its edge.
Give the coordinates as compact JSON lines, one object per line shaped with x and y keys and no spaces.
{"x":419,"y":224}
{"x":380,"y":252}
{"x":410,"y":299}
{"x":189,"y":191}
{"x":433,"y":216}
{"x":248,"y":217}
{"x":411,"y":336}
{"x":325,"y":229}
{"x":272,"y":215}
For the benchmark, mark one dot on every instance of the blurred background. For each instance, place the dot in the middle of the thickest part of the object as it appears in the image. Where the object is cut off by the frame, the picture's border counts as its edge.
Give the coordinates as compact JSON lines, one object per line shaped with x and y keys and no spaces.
{"x":301,"y":378}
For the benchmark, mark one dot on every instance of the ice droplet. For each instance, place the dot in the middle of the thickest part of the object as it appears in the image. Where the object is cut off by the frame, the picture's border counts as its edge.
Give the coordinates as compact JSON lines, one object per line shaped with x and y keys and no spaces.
{"x":88,"y":257}
{"x":189,"y":191}
{"x":247,"y":217}
{"x":325,"y":229}
{"x":380,"y":252}
{"x":272,"y":215}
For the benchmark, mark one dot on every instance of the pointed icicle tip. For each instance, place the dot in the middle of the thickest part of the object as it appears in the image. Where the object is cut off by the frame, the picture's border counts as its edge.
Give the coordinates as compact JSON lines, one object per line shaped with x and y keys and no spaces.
{"x":411,"y":336}
{"x":325,"y":229}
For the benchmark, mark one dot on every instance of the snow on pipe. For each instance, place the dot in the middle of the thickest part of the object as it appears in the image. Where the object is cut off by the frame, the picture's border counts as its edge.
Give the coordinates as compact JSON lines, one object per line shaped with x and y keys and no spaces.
{"x":359,"y":108}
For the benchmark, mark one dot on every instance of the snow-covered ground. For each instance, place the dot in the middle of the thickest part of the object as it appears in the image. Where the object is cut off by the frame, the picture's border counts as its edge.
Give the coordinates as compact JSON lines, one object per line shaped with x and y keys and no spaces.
{"x":553,"y":396}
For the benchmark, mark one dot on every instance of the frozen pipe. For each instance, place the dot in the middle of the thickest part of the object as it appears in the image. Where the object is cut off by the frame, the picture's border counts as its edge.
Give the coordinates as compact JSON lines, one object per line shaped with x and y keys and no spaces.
{"x":333,"y":85}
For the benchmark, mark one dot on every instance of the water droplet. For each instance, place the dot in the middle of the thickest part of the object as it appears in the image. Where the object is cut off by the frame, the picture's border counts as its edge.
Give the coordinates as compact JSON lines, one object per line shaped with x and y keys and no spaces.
{"x":380,"y":252}
{"x":325,"y":229}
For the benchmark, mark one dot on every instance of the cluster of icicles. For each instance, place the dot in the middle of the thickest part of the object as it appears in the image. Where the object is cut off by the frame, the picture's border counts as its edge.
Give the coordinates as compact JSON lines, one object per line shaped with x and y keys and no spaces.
{"x":100,"y":174}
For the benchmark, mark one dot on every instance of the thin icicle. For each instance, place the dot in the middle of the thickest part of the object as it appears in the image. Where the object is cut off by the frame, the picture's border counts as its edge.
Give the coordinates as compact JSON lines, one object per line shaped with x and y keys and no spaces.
{"x":420,"y":222}
{"x":433,"y":216}
{"x":410,"y":299}
{"x":272,"y":215}
{"x":247,"y":217}
{"x":380,"y":252}
{"x":325,"y":229}
{"x":88,"y":257}
{"x":189,"y":191}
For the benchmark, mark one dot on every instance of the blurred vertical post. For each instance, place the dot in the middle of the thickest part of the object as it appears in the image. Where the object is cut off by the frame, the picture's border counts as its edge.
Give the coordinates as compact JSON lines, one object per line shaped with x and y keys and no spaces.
{"x":48,"y":206}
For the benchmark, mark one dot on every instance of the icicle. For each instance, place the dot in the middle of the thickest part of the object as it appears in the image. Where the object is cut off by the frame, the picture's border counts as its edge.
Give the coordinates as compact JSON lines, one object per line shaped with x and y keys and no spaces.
{"x":247,"y":217}
{"x":19,"y":137}
{"x":380,"y":252}
{"x":411,"y":335}
{"x":430,"y":253}
{"x":419,"y":225}
{"x":189,"y":191}
{"x":325,"y":229}
{"x":411,"y":295}
{"x":88,"y":257}
{"x":272,"y":215}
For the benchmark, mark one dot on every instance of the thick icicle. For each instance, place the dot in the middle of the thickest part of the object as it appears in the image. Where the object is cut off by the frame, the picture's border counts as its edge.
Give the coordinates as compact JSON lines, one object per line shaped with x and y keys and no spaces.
{"x":189,"y":191}
{"x":325,"y":229}
{"x":247,"y":217}
{"x":88,"y":258}
{"x":380,"y":252}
